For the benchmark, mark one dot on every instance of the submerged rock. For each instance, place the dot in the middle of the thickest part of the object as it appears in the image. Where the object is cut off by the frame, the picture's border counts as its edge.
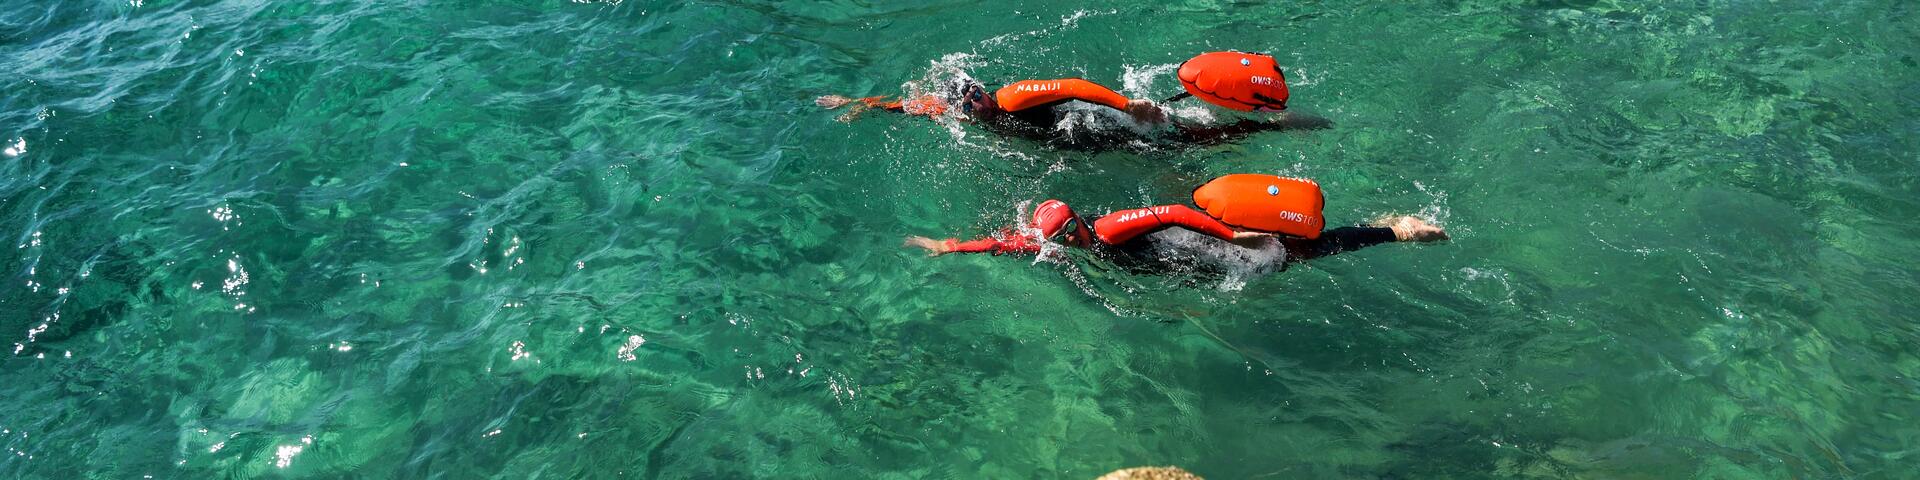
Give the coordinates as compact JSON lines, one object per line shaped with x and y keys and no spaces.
{"x":1150,"y":473}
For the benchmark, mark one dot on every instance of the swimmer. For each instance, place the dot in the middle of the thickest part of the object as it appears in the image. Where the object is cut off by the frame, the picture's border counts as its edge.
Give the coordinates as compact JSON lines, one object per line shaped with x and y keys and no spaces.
{"x":1030,"y":104}
{"x":1036,"y":108}
{"x":1295,"y":200}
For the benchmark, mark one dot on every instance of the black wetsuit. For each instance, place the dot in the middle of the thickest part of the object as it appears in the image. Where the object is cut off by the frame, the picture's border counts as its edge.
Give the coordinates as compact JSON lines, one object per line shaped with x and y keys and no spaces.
{"x":1142,"y":256}
{"x":1042,"y":124}
{"x":1343,"y":239}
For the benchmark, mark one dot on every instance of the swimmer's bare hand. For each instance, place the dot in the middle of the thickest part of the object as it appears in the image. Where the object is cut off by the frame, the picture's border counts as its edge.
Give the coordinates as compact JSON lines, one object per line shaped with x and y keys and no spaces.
{"x":934,"y":248}
{"x":1408,"y":228}
{"x":1145,"y":111}
{"x":832,"y":101}
{"x":1252,"y":239}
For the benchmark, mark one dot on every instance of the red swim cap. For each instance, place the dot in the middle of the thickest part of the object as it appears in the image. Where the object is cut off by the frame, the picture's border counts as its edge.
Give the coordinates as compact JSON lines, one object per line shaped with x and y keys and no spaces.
{"x":1053,"y":216}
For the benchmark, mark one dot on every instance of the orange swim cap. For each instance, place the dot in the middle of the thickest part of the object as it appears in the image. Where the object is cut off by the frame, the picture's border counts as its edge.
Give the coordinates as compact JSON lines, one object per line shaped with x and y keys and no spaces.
{"x":1241,"y":81}
{"x":1268,"y":203}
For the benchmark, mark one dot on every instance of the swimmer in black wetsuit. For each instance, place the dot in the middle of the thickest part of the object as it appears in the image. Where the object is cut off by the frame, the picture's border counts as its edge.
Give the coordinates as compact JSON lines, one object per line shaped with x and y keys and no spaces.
{"x":1035,"y":109}
{"x":1028,"y":105}
{"x":1118,"y":232}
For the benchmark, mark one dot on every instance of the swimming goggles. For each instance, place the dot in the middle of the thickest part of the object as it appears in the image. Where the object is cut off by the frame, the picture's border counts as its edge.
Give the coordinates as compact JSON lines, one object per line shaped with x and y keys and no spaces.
{"x":1072,"y":225}
{"x":974,"y":94}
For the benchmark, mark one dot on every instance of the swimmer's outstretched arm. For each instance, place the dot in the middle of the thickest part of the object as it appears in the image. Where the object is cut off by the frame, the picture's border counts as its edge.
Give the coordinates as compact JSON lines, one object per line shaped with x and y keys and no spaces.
{"x":878,"y":101}
{"x":1142,"y":110}
{"x":927,"y":105}
{"x":863,"y":104}
{"x":1408,"y":228}
{"x":1006,"y":242}
{"x":1125,"y":225}
{"x":1347,"y":239}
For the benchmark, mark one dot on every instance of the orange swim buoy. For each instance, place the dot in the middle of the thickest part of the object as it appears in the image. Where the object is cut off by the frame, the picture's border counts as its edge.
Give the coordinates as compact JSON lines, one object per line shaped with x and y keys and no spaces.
{"x":1242,"y":81}
{"x":1268,"y":203}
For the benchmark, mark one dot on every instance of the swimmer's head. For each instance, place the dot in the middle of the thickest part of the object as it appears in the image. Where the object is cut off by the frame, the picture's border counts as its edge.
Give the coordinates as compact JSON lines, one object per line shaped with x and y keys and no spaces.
{"x":1058,"y":223}
{"x":975,"y":100}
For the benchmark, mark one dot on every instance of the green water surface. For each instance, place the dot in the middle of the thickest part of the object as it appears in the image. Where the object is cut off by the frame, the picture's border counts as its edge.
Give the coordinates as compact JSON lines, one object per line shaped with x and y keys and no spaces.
{"x":563,"y":239}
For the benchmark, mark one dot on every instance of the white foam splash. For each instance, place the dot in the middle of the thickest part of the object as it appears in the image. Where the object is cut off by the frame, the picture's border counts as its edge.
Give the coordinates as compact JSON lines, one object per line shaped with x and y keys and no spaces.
{"x":1079,"y":278}
{"x":1241,"y":264}
{"x":1436,"y":211}
{"x":1138,"y":82}
{"x":231,"y":285}
{"x":235,"y":283}
{"x":283,"y":456}
{"x":1068,"y":22}
{"x":842,"y":388}
{"x":1297,"y":77}
{"x":1492,"y":275}
{"x":1073,"y":19}
{"x":625,"y":353}
{"x":18,"y":148}
{"x":1077,"y":117}
{"x":949,"y":70}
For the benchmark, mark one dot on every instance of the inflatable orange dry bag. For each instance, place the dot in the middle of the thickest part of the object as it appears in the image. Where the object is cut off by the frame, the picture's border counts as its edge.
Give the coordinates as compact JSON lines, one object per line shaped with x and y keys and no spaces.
{"x":1241,"y":81}
{"x":1267,"y":203}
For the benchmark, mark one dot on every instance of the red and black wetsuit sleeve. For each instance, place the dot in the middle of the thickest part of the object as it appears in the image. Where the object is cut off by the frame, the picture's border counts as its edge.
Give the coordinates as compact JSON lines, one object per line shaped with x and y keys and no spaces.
{"x":1006,"y":241}
{"x":1125,"y":225}
{"x":1343,"y":239}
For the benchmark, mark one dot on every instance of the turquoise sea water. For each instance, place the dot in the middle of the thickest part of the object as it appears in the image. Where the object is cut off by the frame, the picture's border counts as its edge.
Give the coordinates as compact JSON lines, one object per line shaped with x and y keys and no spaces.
{"x":547,"y":239}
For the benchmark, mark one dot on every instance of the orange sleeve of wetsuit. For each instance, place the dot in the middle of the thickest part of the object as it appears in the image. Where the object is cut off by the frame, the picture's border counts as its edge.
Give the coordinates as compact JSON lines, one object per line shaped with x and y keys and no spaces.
{"x":1027,"y":94}
{"x":1188,"y":218}
{"x":1119,"y":227}
{"x":922,"y":105}
{"x":880,"y":102}
{"x":1006,"y":242}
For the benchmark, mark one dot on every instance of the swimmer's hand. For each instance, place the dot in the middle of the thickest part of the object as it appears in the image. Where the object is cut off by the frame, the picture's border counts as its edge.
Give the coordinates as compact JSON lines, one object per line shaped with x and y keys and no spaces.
{"x":934,"y":248}
{"x":1251,"y":239}
{"x":832,"y":101}
{"x":1145,"y":111}
{"x":1408,"y":228}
